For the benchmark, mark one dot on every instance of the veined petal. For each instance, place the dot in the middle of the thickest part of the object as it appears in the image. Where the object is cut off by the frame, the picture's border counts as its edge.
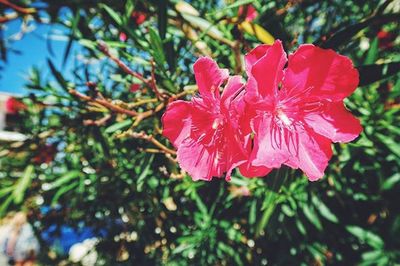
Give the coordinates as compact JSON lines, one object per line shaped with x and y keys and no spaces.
{"x":267,"y":72}
{"x":314,"y":152}
{"x":177,"y":122}
{"x":270,"y":146}
{"x":202,"y":163}
{"x":254,"y":55}
{"x":209,"y":76}
{"x":249,"y":171}
{"x":232,"y":88}
{"x":323,"y":73}
{"x":335,"y":123}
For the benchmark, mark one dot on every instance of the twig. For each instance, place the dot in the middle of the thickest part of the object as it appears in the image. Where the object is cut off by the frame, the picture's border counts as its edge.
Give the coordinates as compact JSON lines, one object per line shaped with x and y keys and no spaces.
{"x":98,"y":122}
{"x":104,"y":49}
{"x":150,"y":138}
{"x":19,"y":9}
{"x":153,"y":81}
{"x":104,"y":103}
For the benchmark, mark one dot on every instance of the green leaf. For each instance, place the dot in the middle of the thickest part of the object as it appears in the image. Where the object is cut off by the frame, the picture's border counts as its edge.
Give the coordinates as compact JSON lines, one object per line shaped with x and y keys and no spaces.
{"x":390,"y":143}
{"x":59,"y":78}
{"x":114,"y":15}
{"x":4,"y":205}
{"x":391,"y":182}
{"x":146,"y":169}
{"x":6,"y":190}
{"x":324,"y":210}
{"x":366,"y":236}
{"x":23,"y":184}
{"x":252,"y":212}
{"x":118,"y":126}
{"x":312,"y":216}
{"x":157,"y":45}
{"x":62,"y":191}
{"x":372,"y":54}
{"x":65,"y":178}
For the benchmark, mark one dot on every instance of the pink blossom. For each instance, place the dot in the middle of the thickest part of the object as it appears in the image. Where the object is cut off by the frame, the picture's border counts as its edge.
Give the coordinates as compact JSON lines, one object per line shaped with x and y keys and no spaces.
{"x":134,"y":87}
{"x":251,"y":12}
{"x":14,"y":106}
{"x":123,"y":37}
{"x":296,"y":112}
{"x":205,"y":130}
{"x":139,"y":17}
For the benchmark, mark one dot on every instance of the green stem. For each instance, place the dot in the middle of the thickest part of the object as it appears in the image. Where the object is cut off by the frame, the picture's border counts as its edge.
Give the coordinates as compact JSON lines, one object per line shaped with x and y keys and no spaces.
{"x":271,"y":199}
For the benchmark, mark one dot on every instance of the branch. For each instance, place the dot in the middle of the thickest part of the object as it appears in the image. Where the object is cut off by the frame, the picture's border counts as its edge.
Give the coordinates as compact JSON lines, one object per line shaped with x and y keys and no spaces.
{"x":151,"y":139}
{"x":19,"y":9}
{"x":104,"y":103}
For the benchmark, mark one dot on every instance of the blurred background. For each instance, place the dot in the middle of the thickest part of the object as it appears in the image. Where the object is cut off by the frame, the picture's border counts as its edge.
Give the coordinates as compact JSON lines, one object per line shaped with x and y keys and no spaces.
{"x":87,"y":179}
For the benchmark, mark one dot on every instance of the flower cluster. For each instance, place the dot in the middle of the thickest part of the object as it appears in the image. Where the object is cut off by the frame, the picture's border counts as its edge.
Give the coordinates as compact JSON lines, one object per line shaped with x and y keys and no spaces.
{"x":287,"y":113}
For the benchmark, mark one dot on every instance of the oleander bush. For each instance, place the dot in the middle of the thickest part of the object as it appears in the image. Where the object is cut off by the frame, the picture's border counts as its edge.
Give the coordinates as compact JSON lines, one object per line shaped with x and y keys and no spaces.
{"x":96,"y":157}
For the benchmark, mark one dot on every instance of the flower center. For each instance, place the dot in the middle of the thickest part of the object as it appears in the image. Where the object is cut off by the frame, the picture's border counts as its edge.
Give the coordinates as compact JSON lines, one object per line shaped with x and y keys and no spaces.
{"x":280,"y":114}
{"x":218,"y":121}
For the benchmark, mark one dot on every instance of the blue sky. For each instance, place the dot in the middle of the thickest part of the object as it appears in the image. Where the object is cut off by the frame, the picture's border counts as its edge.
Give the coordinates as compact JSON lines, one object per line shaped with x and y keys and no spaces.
{"x":33,"y":51}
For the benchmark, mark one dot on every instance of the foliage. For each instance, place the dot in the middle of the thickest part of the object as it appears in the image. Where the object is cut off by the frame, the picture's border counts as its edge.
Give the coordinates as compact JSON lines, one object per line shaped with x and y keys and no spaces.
{"x":113,"y":167}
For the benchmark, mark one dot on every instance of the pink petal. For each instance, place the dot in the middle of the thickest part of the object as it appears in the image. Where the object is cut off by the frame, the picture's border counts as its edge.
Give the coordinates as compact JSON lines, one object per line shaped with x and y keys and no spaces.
{"x":251,"y":12}
{"x":177,"y":121}
{"x":209,"y":76}
{"x":135,"y":87}
{"x":250,"y":171}
{"x":335,"y":123}
{"x":232,"y":89}
{"x":324,"y":73}
{"x":313,"y":154}
{"x":254,"y":55}
{"x":270,"y":148}
{"x":267,"y":72}
{"x":199,"y":161}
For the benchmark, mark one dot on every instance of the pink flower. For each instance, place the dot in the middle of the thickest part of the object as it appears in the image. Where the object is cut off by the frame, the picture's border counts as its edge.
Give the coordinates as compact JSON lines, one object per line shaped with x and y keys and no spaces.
{"x":296,"y":112}
{"x":139,"y":17}
{"x":135,"y":87}
{"x":205,"y":130}
{"x":123,"y":37}
{"x":385,"y":39}
{"x":14,"y":106}
{"x":251,"y":12}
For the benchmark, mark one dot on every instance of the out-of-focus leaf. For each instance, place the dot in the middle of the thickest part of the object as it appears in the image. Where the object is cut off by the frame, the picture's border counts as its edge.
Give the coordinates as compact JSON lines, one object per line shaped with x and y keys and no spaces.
{"x":4,"y":205}
{"x":146,"y":169}
{"x":62,"y":191}
{"x":312,"y":216}
{"x":344,"y":35}
{"x":65,"y":178}
{"x":324,"y":210}
{"x":74,"y":29}
{"x":376,"y":72}
{"x":6,"y":190}
{"x":391,"y":182}
{"x":206,"y":27}
{"x":366,"y":236}
{"x":60,"y":79}
{"x":23,"y":184}
{"x":259,"y":32}
{"x":118,"y":126}
{"x":393,"y":146}
{"x":114,"y":15}
{"x":372,"y":54}
{"x":252,"y":213}
{"x":157,"y":46}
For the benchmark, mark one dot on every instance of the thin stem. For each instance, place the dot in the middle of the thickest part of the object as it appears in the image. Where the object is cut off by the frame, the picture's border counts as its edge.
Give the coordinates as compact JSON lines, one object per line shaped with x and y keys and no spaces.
{"x":104,"y":103}
{"x":150,"y":138}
